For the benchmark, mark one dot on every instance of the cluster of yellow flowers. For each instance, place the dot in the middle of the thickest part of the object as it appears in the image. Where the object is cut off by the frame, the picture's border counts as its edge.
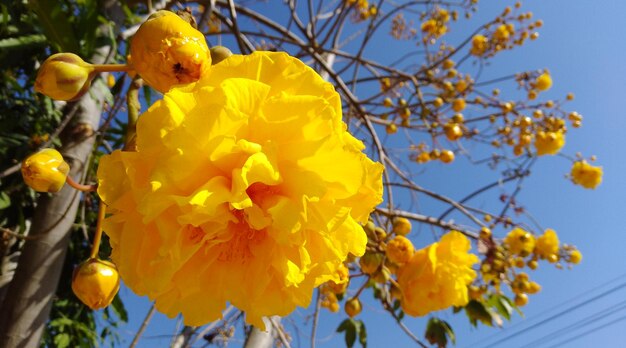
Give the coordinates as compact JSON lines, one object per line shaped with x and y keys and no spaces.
{"x":363,"y":9}
{"x":505,"y":36}
{"x":520,"y":249}
{"x":436,"y":25}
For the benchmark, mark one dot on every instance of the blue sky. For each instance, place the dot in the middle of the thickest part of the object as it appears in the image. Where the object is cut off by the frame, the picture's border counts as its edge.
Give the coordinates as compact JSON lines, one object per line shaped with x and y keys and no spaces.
{"x":582,"y":45}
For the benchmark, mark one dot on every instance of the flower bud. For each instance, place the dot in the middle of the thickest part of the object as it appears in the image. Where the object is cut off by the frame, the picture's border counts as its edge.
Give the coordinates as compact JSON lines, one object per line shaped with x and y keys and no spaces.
{"x":95,"y":282}
{"x":45,"y":171}
{"x":219,"y":53}
{"x":167,"y":51}
{"x":353,"y":307}
{"x":64,"y":76}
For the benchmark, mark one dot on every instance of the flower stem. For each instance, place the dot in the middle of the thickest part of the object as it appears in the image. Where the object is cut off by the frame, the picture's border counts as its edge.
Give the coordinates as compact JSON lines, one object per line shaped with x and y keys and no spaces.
{"x":111,"y":67}
{"x":79,"y":186}
{"x":98,"y":235}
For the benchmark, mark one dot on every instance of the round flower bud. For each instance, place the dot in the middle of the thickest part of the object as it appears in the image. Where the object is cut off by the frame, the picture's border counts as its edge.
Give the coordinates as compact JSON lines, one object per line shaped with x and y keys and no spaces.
{"x":219,"y":53}
{"x":64,"y":76}
{"x":45,"y":171}
{"x":167,"y":51}
{"x":95,"y":282}
{"x":401,"y":226}
{"x":575,"y":257}
{"x":370,"y":262}
{"x":353,"y":307}
{"x":543,"y":82}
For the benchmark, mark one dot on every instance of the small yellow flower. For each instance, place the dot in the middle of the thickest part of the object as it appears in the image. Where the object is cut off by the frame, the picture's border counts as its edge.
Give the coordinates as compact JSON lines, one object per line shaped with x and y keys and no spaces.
{"x":453,"y":131}
{"x":95,"y":282}
{"x":502,"y":33}
{"x":575,"y":257}
{"x":45,"y":171}
{"x":437,"y":276}
{"x":543,"y":82}
{"x":399,"y":250}
{"x":520,"y":242}
{"x":547,"y":244}
{"x":167,"y":51}
{"x":340,"y":286}
{"x":586,"y":175}
{"x":458,"y":104}
{"x":446,"y":156}
{"x":549,"y":143}
{"x":64,"y":76}
{"x":480,"y":43}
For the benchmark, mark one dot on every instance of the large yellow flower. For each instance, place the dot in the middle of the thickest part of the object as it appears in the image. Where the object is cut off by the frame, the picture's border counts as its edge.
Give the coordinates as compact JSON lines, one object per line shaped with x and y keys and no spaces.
{"x":437,"y":276}
{"x":245,"y":188}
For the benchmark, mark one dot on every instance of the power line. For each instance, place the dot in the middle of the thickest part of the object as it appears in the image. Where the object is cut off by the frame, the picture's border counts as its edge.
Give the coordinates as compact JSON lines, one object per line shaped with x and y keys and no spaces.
{"x":567,"y":310}
{"x":585,"y":321}
{"x":536,"y":317}
{"x":592,"y":330}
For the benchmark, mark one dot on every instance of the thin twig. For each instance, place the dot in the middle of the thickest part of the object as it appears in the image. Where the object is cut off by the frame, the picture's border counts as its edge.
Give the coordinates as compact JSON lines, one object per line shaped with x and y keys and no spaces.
{"x":143,"y":326}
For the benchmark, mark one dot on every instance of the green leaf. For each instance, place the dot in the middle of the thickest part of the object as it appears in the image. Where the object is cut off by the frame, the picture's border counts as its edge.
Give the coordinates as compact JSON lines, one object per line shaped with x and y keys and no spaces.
{"x":476,"y":311}
{"x":348,"y":326}
{"x":118,"y":308}
{"x":438,"y":332}
{"x":502,"y":305}
{"x":22,"y":42}
{"x":55,"y":24}
{"x":62,"y":340}
{"x":5,"y":200}
{"x":362,"y":334}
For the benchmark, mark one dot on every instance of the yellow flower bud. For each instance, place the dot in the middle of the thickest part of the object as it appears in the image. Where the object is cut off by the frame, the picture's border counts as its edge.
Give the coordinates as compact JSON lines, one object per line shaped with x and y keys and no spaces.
{"x":219,"y":53}
{"x":45,"y":171}
{"x":95,"y":282}
{"x":543,"y":82}
{"x":168,"y":51}
{"x":353,"y":307}
{"x":401,"y":226}
{"x":64,"y":76}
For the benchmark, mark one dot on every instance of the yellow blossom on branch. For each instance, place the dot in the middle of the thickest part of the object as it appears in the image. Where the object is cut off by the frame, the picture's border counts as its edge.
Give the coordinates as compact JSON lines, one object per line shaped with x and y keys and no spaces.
{"x":586,"y":175}
{"x":245,"y":188}
{"x":480,"y":43}
{"x":437,"y":276}
{"x":549,"y":143}
{"x":547,"y":244}
{"x":167,"y":51}
{"x":520,"y":242}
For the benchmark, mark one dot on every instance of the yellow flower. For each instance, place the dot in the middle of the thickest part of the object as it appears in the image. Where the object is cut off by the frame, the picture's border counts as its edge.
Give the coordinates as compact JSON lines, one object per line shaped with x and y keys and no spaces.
{"x":167,"y":51}
{"x":547,"y":244}
{"x":520,"y":242}
{"x":502,"y":32}
{"x":340,"y":286}
{"x":234,"y":193}
{"x":458,"y":104}
{"x":586,"y":175}
{"x":437,"y":276}
{"x":45,"y":171}
{"x":64,"y":76}
{"x":575,"y":257}
{"x":95,"y":282}
{"x":400,"y":250}
{"x":549,"y":143}
{"x":353,"y":307}
{"x":543,"y":82}
{"x":479,"y":45}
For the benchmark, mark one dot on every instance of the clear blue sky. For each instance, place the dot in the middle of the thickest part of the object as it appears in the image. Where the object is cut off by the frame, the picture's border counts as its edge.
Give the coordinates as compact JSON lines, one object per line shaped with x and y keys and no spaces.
{"x":582,"y":43}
